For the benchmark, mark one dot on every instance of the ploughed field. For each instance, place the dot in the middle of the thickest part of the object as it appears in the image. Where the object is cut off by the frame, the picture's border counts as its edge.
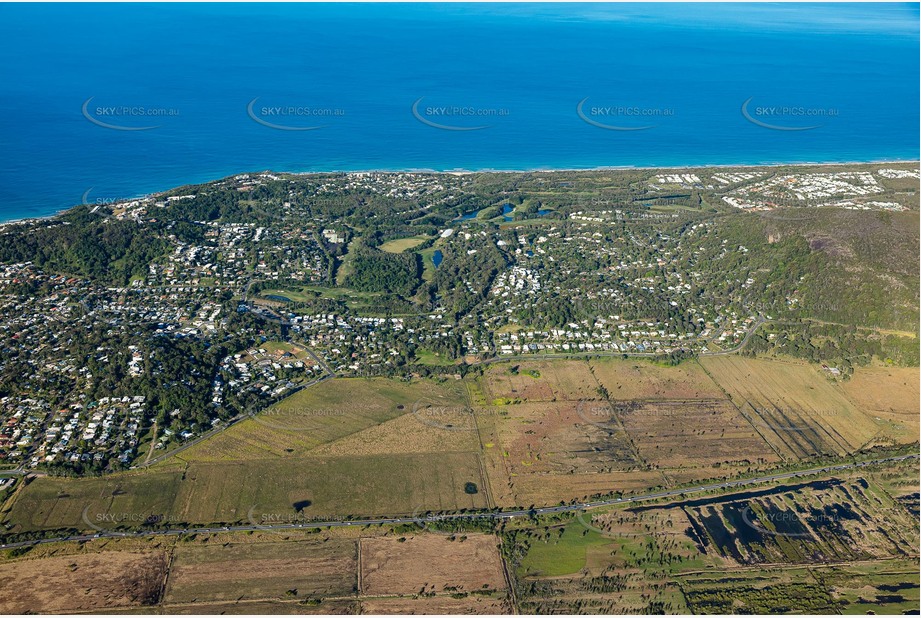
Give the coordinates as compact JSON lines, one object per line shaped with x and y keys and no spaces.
{"x":339,"y":571}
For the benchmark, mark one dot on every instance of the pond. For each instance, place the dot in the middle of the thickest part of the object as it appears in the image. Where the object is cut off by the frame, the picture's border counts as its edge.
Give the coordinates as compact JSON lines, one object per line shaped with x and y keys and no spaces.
{"x":436,"y":258}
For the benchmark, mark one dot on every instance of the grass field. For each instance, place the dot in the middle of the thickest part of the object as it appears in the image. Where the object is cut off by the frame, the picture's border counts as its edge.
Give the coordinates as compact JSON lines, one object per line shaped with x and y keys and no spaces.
{"x":880,"y":588}
{"x":769,"y":591}
{"x":225,"y":492}
{"x":891,"y":394}
{"x":322,"y":414}
{"x":109,"y":502}
{"x":428,"y":267}
{"x":345,"y":267}
{"x":426,"y":430}
{"x":328,"y":486}
{"x":562,"y":550}
{"x":400,"y":245}
{"x":616,"y":562}
{"x":653,"y":539}
{"x":358,"y":301}
{"x":427,"y":357}
{"x":792,"y":405}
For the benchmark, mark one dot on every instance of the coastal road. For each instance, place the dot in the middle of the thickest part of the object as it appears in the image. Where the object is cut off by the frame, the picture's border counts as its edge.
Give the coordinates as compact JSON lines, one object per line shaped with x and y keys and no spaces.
{"x":499,"y":515}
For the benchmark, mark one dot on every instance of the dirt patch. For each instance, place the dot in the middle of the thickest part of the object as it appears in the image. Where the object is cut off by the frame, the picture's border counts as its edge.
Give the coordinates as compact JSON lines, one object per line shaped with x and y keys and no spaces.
{"x":262,"y":571}
{"x":565,"y":437}
{"x":82,"y":582}
{"x":692,"y":433}
{"x":274,"y":608}
{"x":436,"y":605}
{"x":540,"y":381}
{"x":430,"y":563}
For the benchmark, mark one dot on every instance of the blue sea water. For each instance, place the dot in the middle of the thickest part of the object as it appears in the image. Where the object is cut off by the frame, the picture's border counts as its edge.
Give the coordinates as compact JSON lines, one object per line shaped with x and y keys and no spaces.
{"x":443,"y":87}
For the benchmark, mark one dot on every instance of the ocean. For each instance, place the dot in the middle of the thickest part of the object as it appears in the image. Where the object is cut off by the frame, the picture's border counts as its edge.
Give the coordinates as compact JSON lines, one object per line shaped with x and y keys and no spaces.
{"x":103,"y":102}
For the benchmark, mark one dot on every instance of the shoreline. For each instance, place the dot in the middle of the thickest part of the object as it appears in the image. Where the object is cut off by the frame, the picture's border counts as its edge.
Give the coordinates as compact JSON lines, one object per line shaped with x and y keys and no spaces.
{"x":604,"y":168}
{"x":465,"y":172}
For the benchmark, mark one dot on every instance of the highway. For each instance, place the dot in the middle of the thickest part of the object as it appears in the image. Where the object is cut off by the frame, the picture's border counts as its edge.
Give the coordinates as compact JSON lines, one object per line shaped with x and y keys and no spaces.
{"x":498,"y":515}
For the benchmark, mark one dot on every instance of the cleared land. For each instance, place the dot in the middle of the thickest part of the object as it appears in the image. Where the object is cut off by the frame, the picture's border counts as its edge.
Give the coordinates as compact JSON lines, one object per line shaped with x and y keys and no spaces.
{"x":525,"y":433}
{"x":539,"y":381}
{"x":82,"y":583}
{"x":430,"y":563}
{"x":792,"y":405}
{"x":256,"y":608}
{"x":221,"y":493}
{"x":436,"y":605}
{"x":541,"y":453}
{"x":692,"y":434}
{"x":551,"y":488}
{"x":630,"y":379}
{"x":303,"y":570}
{"x":557,"y":437}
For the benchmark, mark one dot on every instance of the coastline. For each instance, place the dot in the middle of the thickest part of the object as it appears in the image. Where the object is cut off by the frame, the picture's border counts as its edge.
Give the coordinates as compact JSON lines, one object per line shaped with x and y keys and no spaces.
{"x":465,"y":172}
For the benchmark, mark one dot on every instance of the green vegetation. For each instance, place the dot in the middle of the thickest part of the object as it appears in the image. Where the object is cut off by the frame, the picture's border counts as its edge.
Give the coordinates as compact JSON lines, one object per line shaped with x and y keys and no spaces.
{"x":552,"y":551}
{"x":376,"y":271}
{"x":399,"y":245}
